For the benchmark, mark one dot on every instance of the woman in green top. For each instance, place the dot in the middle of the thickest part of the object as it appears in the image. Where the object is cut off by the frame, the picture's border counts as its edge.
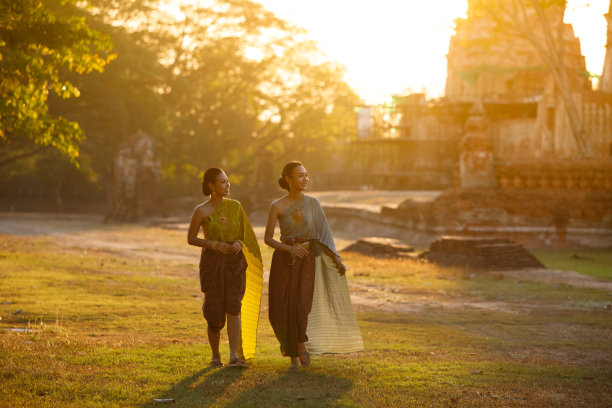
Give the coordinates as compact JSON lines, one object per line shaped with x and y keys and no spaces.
{"x":231,"y":273}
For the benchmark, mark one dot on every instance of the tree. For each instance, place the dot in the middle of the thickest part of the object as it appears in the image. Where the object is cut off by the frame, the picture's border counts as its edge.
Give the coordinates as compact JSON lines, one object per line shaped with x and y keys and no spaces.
{"x":114,"y":104}
{"x":530,"y":19}
{"x":241,"y":80}
{"x":212,"y":87}
{"x":40,"y":42}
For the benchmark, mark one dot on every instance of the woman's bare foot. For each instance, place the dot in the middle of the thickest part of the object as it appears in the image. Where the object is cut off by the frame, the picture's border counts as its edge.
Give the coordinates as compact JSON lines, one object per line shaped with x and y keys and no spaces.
{"x":303,"y":355}
{"x":295,"y":364}
{"x":304,"y":358}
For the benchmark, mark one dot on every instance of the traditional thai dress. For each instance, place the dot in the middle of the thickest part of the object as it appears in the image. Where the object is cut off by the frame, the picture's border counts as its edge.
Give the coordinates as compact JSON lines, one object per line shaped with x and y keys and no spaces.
{"x":331,"y":323}
{"x":232,"y":283}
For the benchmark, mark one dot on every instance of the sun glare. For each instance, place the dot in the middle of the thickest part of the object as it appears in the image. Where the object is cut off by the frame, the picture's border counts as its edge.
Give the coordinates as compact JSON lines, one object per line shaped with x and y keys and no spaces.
{"x":394,"y":47}
{"x":253,"y":54}
{"x":173,"y":9}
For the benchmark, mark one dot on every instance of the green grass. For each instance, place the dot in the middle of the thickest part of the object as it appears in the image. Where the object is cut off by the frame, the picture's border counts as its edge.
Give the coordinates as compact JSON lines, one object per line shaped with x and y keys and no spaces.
{"x":112,"y":330}
{"x":597,"y":263}
{"x":454,"y":284}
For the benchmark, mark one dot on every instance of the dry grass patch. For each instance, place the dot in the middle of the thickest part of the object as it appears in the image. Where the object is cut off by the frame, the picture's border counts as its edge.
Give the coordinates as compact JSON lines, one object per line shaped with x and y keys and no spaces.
{"x":119,"y":330}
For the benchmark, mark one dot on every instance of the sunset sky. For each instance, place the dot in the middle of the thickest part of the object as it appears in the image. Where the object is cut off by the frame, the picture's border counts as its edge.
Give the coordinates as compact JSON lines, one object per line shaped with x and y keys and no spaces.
{"x":395,"y":46}
{"x":400,"y":46}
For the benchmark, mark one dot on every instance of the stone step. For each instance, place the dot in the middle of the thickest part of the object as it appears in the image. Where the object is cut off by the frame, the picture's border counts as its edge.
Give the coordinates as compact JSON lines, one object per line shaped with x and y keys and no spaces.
{"x":481,"y":253}
{"x":381,"y":248}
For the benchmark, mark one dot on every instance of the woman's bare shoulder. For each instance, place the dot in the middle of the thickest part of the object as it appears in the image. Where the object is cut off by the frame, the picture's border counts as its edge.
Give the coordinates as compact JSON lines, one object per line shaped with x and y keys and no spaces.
{"x":279,"y":202}
{"x":203,"y":210}
{"x":278,"y":205}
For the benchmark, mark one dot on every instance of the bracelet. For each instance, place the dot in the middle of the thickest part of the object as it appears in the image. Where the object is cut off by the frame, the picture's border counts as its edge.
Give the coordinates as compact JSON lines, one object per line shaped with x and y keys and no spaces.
{"x":213,"y":246}
{"x":290,"y":250}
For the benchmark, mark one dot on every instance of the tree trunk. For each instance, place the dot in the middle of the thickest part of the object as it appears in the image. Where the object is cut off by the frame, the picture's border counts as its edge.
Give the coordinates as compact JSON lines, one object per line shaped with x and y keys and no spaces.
{"x":58,"y":197}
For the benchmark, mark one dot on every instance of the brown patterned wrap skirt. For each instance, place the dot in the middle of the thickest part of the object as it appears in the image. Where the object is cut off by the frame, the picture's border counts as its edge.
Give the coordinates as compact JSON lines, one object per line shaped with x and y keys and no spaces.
{"x":290,"y":298}
{"x":223,"y":281}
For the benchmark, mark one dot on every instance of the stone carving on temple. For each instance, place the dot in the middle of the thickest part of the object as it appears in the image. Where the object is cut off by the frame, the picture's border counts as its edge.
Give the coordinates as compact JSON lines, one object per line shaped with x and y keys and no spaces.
{"x":476,"y":162}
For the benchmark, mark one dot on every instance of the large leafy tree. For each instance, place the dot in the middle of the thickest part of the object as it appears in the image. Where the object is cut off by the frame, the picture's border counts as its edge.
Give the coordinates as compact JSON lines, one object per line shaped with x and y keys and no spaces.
{"x":214,"y":86}
{"x":116,"y":103}
{"x":39,"y":43}
{"x":240,"y":80}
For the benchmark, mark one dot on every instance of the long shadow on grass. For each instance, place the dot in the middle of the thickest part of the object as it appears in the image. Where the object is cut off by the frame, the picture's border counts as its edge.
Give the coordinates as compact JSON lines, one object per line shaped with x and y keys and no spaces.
{"x":301,"y":389}
{"x":191,"y":392}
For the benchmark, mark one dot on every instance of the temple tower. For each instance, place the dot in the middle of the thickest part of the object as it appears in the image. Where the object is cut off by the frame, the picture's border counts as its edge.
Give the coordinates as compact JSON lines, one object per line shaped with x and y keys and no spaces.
{"x":606,"y":77}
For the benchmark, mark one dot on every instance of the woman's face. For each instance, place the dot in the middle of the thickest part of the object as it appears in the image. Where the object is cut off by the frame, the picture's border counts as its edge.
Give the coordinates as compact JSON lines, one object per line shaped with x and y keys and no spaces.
{"x":299,"y":179}
{"x":221,"y":188}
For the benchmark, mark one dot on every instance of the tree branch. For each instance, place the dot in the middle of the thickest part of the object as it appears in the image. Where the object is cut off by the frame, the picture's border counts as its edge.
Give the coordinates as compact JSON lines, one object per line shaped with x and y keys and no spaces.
{"x":9,"y":160}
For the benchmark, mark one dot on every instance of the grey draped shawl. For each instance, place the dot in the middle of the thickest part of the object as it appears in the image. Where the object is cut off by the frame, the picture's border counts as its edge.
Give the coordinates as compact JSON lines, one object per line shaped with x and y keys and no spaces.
{"x":305,"y":219}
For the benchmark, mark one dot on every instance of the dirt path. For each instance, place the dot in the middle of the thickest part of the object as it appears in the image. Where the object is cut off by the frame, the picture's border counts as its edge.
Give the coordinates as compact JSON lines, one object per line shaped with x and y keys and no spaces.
{"x":555,"y":277}
{"x":86,"y":232}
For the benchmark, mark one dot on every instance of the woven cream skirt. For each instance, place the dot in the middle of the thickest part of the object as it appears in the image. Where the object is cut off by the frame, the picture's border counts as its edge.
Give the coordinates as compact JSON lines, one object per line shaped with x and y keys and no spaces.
{"x":332,"y":326}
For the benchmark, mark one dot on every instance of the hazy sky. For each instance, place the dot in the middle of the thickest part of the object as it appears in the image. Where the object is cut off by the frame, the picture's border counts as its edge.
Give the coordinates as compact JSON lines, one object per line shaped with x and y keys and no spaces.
{"x":397,"y":46}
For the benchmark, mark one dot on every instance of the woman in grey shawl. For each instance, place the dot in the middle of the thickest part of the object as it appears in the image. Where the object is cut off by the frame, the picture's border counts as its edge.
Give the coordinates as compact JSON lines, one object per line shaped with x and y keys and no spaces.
{"x":309,"y":302}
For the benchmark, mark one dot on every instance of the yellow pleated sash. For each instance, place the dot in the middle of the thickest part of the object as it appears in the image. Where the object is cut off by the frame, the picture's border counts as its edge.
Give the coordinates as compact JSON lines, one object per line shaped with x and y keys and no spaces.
{"x":251,"y":303}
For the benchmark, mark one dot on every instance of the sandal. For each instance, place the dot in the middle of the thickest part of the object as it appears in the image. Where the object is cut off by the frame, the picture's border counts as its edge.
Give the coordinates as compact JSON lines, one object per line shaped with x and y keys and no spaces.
{"x":304,"y":358}
{"x":236,"y":362}
{"x":215,"y":362}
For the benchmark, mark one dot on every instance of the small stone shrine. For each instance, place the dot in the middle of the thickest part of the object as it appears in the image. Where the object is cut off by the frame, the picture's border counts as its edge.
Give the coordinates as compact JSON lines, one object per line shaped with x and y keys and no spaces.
{"x":137,"y":179}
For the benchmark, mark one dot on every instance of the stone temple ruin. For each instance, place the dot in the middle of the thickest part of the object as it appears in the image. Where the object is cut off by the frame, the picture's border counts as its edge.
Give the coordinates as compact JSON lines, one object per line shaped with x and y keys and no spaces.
{"x":135,"y":190}
{"x":499,"y":145}
{"x":507,"y":82}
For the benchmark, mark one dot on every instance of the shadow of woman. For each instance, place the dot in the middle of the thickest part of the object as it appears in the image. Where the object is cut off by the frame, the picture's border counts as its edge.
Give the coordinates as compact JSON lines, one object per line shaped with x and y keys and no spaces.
{"x":191,"y":391}
{"x":294,"y":389}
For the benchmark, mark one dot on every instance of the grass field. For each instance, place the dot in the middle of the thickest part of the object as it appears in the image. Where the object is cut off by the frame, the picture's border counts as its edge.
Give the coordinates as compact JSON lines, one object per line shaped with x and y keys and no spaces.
{"x":109,"y":316}
{"x":597,"y":263}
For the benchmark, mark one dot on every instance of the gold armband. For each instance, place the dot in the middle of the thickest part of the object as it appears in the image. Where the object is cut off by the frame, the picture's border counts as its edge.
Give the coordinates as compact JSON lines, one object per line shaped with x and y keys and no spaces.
{"x":213,"y":246}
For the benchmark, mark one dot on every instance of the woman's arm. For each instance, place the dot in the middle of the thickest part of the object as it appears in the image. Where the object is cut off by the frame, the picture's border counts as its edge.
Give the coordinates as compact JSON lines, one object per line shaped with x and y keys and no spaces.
{"x":298,"y":251}
{"x":337,"y":260}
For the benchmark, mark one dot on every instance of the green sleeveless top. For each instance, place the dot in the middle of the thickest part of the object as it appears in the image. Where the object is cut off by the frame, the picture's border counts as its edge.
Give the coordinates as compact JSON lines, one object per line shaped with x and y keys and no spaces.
{"x":229,"y":223}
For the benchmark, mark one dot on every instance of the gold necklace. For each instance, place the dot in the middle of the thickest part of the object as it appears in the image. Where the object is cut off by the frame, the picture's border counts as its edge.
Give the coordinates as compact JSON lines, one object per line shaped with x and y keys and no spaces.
{"x":297,"y":216}
{"x":223,"y":219}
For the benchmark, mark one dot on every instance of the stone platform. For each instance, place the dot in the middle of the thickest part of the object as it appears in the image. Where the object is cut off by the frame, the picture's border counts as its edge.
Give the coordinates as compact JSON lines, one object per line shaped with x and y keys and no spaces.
{"x":481,"y":253}
{"x":381,"y":248}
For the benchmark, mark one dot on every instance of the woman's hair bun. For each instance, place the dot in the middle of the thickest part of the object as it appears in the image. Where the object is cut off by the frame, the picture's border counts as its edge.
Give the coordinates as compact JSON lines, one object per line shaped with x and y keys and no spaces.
{"x":206,"y":189}
{"x":283,"y":183}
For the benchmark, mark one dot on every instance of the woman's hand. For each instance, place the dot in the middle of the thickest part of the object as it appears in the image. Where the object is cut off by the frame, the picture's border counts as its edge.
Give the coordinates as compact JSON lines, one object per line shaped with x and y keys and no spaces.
{"x":223,"y":247}
{"x":339,"y":265}
{"x":298,"y":251}
{"x":236,"y":247}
